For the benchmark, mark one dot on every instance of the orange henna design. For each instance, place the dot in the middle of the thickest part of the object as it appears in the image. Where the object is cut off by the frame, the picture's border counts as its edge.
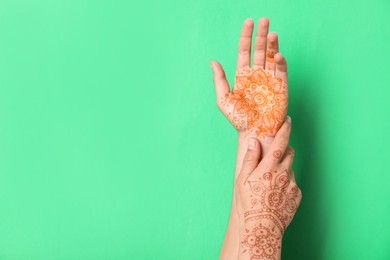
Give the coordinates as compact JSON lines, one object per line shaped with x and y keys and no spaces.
{"x":270,"y":58}
{"x":258,"y":103}
{"x":271,"y":55}
{"x":277,"y":154}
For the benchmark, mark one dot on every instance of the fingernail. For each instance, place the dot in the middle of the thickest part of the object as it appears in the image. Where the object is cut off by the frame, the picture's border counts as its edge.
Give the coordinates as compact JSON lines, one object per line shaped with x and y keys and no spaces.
{"x":251,"y":144}
{"x":248,"y":21}
{"x":288,"y":119}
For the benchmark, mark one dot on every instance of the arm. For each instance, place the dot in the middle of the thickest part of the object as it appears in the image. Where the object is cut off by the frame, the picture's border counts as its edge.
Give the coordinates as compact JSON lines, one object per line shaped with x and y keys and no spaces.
{"x":256,"y":106}
{"x":230,"y":244}
{"x":267,"y":197}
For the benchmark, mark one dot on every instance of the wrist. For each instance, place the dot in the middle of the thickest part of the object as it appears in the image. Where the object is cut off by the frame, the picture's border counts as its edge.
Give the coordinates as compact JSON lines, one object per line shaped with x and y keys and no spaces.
{"x":260,"y":239}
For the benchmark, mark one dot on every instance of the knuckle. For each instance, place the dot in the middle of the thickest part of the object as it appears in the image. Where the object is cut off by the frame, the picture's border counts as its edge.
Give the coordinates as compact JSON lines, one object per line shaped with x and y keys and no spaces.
{"x":284,"y":142}
{"x":249,"y":158}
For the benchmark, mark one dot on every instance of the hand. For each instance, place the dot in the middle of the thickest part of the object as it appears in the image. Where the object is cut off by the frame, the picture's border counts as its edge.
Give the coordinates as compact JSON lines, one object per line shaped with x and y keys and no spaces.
{"x":267,"y":197}
{"x":257,"y":105}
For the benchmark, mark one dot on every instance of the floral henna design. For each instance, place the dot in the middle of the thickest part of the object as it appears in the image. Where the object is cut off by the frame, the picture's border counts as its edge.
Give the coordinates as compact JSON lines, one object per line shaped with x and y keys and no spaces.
{"x":258,"y":103}
{"x":261,"y":242}
{"x":275,"y":195}
{"x":274,"y":201}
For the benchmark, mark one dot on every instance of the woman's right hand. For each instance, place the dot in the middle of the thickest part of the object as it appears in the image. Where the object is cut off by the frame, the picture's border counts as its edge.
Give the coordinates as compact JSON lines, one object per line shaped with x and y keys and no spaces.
{"x":267,"y":196}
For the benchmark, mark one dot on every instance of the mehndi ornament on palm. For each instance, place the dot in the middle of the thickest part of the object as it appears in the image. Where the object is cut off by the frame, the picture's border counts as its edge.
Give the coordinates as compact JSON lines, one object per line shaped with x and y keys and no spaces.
{"x":258,"y":102}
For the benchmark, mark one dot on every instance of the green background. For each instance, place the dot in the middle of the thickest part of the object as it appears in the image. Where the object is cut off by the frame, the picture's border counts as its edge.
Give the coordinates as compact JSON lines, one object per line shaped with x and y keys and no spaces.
{"x":111,"y":146}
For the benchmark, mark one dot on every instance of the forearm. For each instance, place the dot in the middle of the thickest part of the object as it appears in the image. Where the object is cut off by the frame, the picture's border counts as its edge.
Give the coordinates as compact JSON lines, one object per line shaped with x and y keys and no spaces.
{"x":230,"y":246}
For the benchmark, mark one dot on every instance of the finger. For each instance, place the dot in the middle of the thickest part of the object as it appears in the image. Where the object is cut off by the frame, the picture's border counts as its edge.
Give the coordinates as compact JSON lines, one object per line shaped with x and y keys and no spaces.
{"x":281,"y":67}
{"x":244,"y":44}
{"x":272,"y":49}
{"x":260,"y":43}
{"x":279,"y":144}
{"x":251,"y":159}
{"x":288,"y":158}
{"x":221,"y":85}
{"x":292,"y":175}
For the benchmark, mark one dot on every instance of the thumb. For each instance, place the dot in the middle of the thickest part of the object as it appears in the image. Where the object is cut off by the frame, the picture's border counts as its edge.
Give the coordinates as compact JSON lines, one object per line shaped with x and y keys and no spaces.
{"x":219,"y":77}
{"x":251,"y":158}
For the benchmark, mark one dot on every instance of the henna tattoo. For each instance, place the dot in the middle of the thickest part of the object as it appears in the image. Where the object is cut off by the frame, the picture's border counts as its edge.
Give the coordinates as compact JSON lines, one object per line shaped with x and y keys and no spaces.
{"x":267,"y":176}
{"x":277,"y":154}
{"x":259,"y":216}
{"x":282,"y":179}
{"x":274,"y":201}
{"x":274,"y":198}
{"x":271,"y":55}
{"x":255,"y":202}
{"x":270,"y":58}
{"x":261,"y":242}
{"x":257,"y":187}
{"x":258,"y":103}
{"x":290,"y":152}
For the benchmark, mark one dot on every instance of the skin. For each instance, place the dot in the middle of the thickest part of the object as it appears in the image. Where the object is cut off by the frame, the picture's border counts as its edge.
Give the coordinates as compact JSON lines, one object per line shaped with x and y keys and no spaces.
{"x":267,"y":60}
{"x":267,"y":197}
{"x":257,"y":104}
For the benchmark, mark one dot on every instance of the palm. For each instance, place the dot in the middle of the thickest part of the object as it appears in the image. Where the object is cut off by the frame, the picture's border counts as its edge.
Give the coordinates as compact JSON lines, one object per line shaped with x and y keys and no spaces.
{"x":258,"y":102}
